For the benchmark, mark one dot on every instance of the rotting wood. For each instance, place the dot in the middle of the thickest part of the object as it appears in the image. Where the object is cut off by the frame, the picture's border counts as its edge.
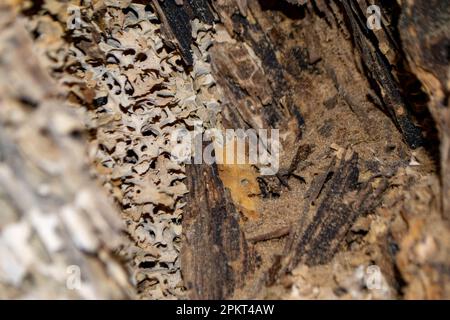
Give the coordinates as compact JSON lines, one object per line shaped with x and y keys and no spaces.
{"x":278,"y":233}
{"x":425,"y":31}
{"x":342,"y":202}
{"x":58,"y":230}
{"x":379,"y":68}
{"x":257,"y":94}
{"x":177,"y":20}
{"x":317,"y":73}
{"x":251,"y":75}
{"x":216,"y":258}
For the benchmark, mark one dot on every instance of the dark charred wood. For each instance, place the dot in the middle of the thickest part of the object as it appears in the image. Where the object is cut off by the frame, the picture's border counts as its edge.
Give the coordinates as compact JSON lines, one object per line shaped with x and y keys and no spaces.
{"x":216,"y":259}
{"x":177,"y":19}
{"x":378,"y":67}
{"x":341,"y":202}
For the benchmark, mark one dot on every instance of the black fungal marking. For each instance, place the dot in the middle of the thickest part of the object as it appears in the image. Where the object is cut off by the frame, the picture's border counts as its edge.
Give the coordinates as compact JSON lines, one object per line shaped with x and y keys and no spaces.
{"x":179,"y":20}
{"x":100,"y":101}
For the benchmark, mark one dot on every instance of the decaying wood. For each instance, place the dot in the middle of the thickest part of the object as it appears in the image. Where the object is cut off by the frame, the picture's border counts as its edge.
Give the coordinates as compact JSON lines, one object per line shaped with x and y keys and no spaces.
{"x":58,"y":230}
{"x":177,"y":20}
{"x":425,"y":31}
{"x":316,"y":241}
{"x":260,"y":70}
{"x":357,"y":183}
{"x":379,"y":68}
{"x":253,"y":80}
{"x":278,"y":233}
{"x":216,"y":258}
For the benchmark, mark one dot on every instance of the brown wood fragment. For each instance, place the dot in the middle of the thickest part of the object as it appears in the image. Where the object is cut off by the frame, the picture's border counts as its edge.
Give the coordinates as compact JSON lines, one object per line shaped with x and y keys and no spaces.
{"x":251,"y":75}
{"x":425,"y":32}
{"x":340,"y":203}
{"x":274,"y":234}
{"x":216,"y":259}
{"x":377,"y":63}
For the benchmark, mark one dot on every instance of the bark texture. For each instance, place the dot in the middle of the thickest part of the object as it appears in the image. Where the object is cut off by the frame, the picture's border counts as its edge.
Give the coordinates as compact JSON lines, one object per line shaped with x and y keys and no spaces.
{"x":216,"y":258}
{"x":364,"y":123}
{"x":58,"y":230}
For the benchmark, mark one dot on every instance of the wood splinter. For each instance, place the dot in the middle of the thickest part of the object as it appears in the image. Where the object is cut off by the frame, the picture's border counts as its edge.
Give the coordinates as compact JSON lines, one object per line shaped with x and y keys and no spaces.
{"x":274,"y":234}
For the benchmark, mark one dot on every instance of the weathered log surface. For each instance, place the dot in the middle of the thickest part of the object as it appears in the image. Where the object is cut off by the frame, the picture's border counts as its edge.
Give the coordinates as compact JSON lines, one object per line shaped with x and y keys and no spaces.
{"x":216,"y":259}
{"x":317,"y":241}
{"x":260,"y":82}
{"x":425,"y":32}
{"x":58,"y":231}
{"x":177,"y":21}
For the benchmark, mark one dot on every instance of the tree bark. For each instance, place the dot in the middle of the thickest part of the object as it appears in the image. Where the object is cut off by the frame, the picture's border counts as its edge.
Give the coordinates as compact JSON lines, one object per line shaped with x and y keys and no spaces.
{"x":58,"y":231}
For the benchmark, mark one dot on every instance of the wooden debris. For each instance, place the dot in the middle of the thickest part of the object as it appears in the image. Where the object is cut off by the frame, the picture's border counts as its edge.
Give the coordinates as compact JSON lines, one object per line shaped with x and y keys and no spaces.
{"x":216,"y":258}
{"x":343,"y":201}
{"x":278,"y":233}
{"x":424,"y":29}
